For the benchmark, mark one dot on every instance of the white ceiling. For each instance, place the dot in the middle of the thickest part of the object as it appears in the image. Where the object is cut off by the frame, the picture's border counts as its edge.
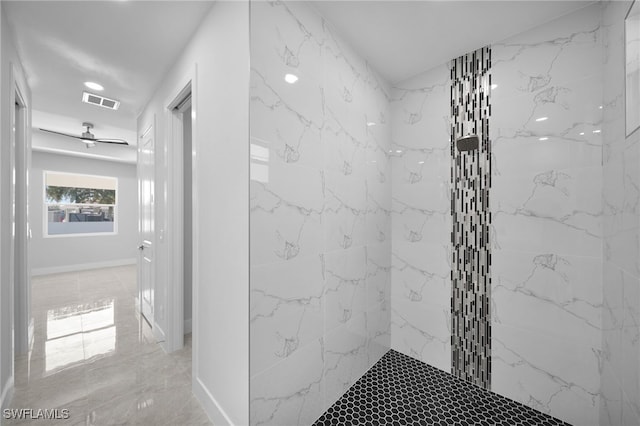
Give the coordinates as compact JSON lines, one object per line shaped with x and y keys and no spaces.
{"x":401,"y":39}
{"x":127,"y":46}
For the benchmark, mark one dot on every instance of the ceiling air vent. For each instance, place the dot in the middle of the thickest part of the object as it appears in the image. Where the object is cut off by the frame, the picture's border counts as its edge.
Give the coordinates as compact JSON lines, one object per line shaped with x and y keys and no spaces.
{"x":98,"y":100}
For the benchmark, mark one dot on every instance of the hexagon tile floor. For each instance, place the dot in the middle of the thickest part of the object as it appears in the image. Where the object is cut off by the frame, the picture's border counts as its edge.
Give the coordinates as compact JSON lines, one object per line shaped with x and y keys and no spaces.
{"x":400,"y":390}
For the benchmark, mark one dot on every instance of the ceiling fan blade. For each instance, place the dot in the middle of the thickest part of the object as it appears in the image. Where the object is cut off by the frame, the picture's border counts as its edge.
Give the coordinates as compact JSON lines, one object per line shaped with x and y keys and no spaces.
{"x":115,"y":141}
{"x":62,"y":134}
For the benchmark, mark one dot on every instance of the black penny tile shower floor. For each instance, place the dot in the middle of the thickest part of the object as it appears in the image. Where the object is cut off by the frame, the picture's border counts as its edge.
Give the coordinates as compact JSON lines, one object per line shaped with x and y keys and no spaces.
{"x":400,"y":390}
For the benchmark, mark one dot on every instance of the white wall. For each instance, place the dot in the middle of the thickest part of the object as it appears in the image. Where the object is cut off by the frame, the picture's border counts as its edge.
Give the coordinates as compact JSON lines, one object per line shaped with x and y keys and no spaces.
{"x":58,"y":254}
{"x":220,"y":49}
{"x":9,"y":58}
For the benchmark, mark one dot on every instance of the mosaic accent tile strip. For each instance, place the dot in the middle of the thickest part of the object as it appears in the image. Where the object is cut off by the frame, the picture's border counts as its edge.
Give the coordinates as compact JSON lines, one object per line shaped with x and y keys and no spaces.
{"x":400,"y":390}
{"x":471,"y":218}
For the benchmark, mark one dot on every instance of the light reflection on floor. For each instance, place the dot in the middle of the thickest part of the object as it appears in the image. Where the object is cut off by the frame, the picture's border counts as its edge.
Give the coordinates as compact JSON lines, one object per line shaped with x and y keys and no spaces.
{"x":90,"y":326}
{"x":92,"y":354}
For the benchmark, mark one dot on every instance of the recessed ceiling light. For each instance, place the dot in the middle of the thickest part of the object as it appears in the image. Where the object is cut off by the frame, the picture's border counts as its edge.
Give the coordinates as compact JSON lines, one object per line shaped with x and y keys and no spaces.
{"x":596,"y":131}
{"x":600,"y":107}
{"x":93,"y":86}
{"x":494,"y":86}
{"x":371,"y":123}
{"x":420,"y":162}
{"x":398,"y":151}
{"x":542,"y":118}
{"x":544,"y":138}
{"x":581,"y":133}
{"x":290,"y":78}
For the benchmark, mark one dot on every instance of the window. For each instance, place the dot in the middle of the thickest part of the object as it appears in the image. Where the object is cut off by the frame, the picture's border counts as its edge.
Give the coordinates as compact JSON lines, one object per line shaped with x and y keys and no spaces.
{"x":80,"y":204}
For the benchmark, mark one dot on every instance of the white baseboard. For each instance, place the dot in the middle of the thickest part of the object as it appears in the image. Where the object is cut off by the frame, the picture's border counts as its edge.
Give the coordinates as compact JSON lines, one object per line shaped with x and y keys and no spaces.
{"x":187,"y":326}
{"x":216,"y":414}
{"x":82,"y":267}
{"x":7,"y":393}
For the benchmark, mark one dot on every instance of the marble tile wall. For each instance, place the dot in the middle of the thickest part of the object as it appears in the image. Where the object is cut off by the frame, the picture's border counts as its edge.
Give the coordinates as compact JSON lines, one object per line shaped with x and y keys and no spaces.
{"x":547,"y":209}
{"x":350,"y":222}
{"x":320,"y":231}
{"x":547,"y":216}
{"x":421,"y":218}
{"x":620,"y":381}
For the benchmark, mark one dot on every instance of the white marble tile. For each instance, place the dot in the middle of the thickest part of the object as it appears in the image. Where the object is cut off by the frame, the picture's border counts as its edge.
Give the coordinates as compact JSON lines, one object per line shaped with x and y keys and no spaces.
{"x":535,"y":155}
{"x":413,"y":167}
{"x":345,"y":286}
{"x":379,"y":141}
{"x":344,"y":152}
{"x":345,"y":356}
{"x":630,"y":347}
{"x":420,"y":111}
{"x":286,"y":309}
{"x":621,"y":328}
{"x":286,"y":39}
{"x":378,"y":278}
{"x":345,"y":208}
{"x":421,"y":273}
{"x":570,"y":112}
{"x":620,"y":188}
{"x":378,"y":333}
{"x":377,"y":224}
{"x":551,"y":193}
{"x":629,"y":413}
{"x":613,"y":315}
{"x":345,"y":115}
{"x":611,"y":398}
{"x":286,"y":214}
{"x":352,"y":91}
{"x":577,"y":235}
{"x":622,"y":207}
{"x":554,"y":375}
{"x":321,"y":190}
{"x":279,"y":132}
{"x":422,"y":331}
{"x":411,"y":224}
{"x":378,"y":178}
{"x":560,"y":51}
{"x":549,"y":293}
{"x":279,"y":397}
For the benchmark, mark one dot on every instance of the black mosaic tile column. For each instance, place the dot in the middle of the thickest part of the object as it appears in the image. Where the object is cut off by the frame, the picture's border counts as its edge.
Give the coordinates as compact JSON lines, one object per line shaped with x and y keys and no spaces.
{"x":471,"y":219}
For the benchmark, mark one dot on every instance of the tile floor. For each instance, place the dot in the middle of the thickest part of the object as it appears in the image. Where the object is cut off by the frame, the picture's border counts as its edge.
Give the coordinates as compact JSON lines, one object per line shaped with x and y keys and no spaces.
{"x":93,"y":355}
{"x":399,"y":390}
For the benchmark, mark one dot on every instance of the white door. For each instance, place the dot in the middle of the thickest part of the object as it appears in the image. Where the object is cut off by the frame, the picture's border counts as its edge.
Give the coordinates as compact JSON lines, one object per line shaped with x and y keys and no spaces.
{"x":146,"y":196}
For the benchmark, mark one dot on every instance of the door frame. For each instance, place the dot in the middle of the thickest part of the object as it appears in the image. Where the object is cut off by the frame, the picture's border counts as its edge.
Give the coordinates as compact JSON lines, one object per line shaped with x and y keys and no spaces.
{"x":174,"y":338}
{"x":21,"y":293}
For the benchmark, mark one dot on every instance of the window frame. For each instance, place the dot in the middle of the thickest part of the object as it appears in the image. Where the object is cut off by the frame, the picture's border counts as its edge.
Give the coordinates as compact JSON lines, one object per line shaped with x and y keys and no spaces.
{"x":45,"y":208}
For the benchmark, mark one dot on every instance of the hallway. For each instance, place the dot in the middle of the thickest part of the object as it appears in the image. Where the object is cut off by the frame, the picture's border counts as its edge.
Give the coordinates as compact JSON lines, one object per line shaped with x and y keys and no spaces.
{"x":93,"y":355}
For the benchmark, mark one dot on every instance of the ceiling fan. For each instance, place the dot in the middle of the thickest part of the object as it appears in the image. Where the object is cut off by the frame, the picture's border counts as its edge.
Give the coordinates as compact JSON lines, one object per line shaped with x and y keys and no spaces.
{"x":88,"y":138}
